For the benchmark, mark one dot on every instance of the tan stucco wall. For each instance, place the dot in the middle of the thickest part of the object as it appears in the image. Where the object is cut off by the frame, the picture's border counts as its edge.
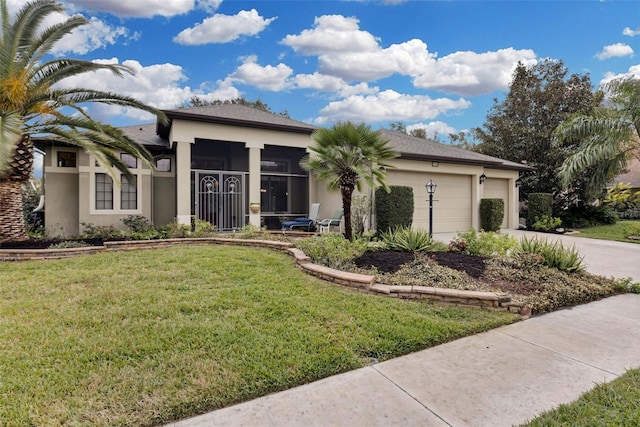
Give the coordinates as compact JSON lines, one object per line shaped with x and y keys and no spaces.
{"x":164,"y":200}
{"x":61,"y":203}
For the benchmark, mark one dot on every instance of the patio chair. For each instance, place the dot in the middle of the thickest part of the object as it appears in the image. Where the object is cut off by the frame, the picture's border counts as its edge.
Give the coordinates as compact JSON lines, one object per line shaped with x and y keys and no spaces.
{"x":325,"y":224}
{"x":307,"y":224}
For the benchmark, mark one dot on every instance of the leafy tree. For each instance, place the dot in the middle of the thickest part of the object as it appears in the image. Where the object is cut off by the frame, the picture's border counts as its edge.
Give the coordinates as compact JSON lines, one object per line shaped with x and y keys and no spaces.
{"x":521,"y":127}
{"x":464,"y":140}
{"x":343,"y":156}
{"x":608,"y":137}
{"x":196,"y":101}
{"x":31,"y":103}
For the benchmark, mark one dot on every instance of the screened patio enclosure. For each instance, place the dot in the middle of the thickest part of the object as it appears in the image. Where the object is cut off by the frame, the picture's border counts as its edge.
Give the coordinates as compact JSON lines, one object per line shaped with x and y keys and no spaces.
{"x":220,"y":184}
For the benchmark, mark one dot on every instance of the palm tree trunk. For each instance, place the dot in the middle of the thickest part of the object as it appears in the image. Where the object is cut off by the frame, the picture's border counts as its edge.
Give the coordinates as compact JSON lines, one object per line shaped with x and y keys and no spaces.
{"x":12,"y":225}
{"x":346,"y":206}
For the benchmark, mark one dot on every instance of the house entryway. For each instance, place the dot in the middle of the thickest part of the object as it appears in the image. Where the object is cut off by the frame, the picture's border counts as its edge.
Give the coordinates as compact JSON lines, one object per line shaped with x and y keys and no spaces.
{"x":219,"y":198}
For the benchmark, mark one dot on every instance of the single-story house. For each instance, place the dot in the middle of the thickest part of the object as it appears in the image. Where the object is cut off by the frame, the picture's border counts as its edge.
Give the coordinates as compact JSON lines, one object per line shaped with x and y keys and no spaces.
{"x":212,"y":162}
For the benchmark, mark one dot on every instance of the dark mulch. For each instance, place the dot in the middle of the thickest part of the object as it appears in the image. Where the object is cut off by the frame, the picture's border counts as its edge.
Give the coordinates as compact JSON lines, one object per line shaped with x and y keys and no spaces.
{"x":43,"y":243}
{"x":392,"y":261}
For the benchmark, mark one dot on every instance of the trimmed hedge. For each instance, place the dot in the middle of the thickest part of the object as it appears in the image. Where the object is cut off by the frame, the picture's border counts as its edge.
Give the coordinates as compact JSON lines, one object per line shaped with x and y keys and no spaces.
{"x":540,"y":204}
{"x":491,"y":214}
{"x":394,"y":209}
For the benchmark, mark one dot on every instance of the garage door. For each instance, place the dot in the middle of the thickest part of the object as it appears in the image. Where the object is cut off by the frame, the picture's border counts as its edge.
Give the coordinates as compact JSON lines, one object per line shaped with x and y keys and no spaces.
{"x":495,"y":188}
{"x":452,"y":200}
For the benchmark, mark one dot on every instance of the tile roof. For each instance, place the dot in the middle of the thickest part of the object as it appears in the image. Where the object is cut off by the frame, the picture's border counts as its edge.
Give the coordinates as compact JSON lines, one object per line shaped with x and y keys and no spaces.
{"x":411,"y":147}
{"x":632,"y":174}
{"x":239,"y":115}
{"x":145,"y":135}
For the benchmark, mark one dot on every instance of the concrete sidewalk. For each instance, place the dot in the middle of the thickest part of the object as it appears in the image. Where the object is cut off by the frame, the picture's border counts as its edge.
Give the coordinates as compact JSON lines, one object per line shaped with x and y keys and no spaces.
{"x":497,"y":378}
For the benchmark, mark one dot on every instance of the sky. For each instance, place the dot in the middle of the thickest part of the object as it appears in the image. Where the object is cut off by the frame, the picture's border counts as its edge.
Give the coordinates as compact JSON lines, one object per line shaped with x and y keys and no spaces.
{"x":437,"y":65}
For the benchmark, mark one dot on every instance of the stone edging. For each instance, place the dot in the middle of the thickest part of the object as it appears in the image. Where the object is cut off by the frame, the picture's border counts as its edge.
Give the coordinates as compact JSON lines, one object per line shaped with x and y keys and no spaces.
{"x":366,"y":283}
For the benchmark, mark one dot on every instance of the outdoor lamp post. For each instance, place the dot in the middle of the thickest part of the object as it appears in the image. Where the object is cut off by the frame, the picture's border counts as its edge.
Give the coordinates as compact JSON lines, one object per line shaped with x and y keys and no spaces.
{"x":431,"y":188}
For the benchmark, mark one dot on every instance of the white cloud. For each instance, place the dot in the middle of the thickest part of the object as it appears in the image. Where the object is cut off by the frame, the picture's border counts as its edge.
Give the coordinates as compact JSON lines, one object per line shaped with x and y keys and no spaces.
{"x":267,"y":77}
{"x":434,"y":129}
{"x":631,"y":33}
{"x":471,"y":73}
{"x":346,"y":52}
{"x":324,"y":83}
{"x":95,"y":35}
{"x":633,"y":72}
{"x":615,"y":50}
{"x":137,"y":8}
{"x":209,"y":5}
{"x":224,"y":28}
{"x":159,"y":85}
{"x":332,"y":33}
{"x":388,"y":106}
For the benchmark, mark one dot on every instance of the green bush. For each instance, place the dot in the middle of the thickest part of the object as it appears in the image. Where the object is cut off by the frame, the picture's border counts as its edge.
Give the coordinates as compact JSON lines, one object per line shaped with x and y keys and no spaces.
{"x":69,"y":244}
{"x":491,"y":214}
{"x":588,"y":216}
{"x":486,"y":244}
{"x":394,"y":209}
{"x":407,"y":239}
{"x":173,"y":230}
{"x":203,"y":229}
{"x":553,"y":255}
{"x":138,"y":223}
{"x":331,"y":249}
{"x":540,"y":204}
{"x":547,"y":223}
{"x":103,"y":232}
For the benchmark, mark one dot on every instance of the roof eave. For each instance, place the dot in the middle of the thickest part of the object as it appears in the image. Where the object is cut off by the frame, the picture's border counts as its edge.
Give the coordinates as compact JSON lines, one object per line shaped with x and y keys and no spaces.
{"x":445,"y":159}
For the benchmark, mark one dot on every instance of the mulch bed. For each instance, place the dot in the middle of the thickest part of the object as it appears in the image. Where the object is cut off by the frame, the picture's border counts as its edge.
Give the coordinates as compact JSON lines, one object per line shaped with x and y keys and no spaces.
{"x":392,"y":261}
{"x":43,"y":243}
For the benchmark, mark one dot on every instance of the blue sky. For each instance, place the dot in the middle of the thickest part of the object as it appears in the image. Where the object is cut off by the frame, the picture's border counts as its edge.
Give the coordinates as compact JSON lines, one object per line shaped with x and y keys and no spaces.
{"x":436,"y":65}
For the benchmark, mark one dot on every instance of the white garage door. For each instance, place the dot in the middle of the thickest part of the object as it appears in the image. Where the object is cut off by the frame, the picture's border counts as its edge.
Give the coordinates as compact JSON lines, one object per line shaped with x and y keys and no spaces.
{"x":452,"y":200}
{"x":495,"y":188}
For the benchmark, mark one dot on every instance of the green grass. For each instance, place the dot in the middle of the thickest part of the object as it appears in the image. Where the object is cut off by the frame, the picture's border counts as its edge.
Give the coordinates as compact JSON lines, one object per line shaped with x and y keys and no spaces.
{"x":619,"y":231}
{"x":613,"y":404}
{"x":146,"y":337}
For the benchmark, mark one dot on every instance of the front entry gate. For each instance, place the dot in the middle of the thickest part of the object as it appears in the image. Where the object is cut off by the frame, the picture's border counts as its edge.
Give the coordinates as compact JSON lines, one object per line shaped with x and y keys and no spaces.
{"x":219,"y":199}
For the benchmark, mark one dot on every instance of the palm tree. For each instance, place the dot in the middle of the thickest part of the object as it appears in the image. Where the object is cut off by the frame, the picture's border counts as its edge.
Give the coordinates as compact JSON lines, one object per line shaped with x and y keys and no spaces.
{"x":345,"y":154}
{"x":32,"y":104}
{"x":608,"y":138}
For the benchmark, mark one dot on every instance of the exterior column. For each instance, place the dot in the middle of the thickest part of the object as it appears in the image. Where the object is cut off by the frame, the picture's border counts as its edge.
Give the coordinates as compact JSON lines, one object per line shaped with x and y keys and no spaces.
{"x":513,"y":221}
{"x":477,"y":192}
{"x":254,"y":179}
{"x":183,"y":182}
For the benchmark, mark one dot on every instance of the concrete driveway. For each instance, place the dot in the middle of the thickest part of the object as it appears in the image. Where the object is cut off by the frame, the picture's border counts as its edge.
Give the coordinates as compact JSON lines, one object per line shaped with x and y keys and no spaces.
{"x":602,"y":257}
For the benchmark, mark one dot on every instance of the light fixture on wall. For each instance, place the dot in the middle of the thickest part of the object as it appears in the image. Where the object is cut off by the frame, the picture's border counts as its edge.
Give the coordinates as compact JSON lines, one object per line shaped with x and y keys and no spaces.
{"x":431,"y":188}
{"x":483,"y":177}
{"x":435,"y":164}
{"x":518,"y":182}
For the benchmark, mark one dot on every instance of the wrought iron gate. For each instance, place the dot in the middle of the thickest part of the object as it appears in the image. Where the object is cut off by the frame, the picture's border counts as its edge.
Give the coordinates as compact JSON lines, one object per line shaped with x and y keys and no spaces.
{"x":219,"y":199}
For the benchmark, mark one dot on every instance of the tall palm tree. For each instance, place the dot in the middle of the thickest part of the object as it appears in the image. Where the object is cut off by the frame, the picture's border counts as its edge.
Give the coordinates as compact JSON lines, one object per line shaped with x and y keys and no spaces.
{"x":32,"y":104}
{"x":344,"y":155}
{"x":608,"y":139}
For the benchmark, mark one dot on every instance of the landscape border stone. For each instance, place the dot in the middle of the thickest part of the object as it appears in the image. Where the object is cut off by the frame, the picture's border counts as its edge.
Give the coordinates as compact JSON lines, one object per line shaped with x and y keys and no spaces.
{"x":362,"y":282}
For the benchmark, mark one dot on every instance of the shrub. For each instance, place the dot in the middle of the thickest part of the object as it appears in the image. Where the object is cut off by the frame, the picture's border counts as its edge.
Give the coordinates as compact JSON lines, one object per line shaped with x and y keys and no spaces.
{"x":553,"y":255}
{"x":407,"y":239}
{"x":102,"y":232}
{"x":491,"y":214}
{"x":331,"y":249}
{"x":486,"y":244}
{"x":203,"y":229}
{"x":546,"y":223}
{"x":540,"y":204}
{"x":620,"y":197}
{"x":633,"y":213}
{"x":394,"y":209}
{"x":69,"y":244}
{"x":138,"y":223}
{"x":588,"y":215}
{"x":173,"y":230}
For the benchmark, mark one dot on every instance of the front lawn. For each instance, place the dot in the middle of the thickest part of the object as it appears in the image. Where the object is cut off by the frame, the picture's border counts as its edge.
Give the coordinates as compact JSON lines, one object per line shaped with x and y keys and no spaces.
{"x":613,"y":404}
{"x":622,"y":231}
{"x":147,"y":337}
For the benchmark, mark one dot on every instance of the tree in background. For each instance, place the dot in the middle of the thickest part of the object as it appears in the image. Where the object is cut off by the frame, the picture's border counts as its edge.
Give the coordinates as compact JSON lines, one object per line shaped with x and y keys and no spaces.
{"x":31,"y":103}
{"x":343,"y":156}
{"x":607,"y":137}
{"x":196,"y":101}
{"x":521,"y":127}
